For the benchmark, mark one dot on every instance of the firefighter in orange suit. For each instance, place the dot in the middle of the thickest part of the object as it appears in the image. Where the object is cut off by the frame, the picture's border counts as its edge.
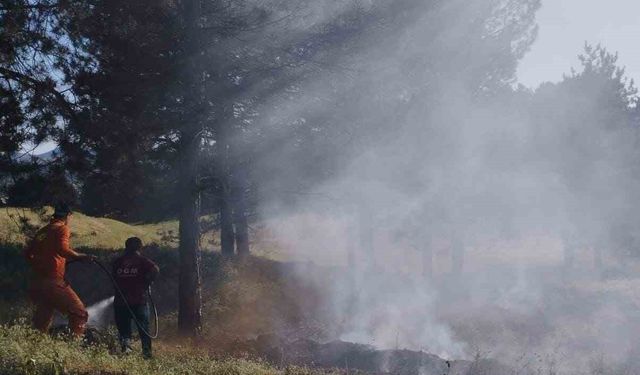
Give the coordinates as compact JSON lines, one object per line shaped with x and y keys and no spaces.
{"x":47,"y":254}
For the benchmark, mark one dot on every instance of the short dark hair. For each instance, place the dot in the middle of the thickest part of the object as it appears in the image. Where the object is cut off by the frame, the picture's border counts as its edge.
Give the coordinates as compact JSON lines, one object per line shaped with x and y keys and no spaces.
{"x":61,"y":210}
{"x":132,"y":244}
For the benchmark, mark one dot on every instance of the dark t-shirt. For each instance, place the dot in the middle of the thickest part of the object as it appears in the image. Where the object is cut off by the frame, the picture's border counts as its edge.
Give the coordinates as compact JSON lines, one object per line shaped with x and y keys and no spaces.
{"x":132,"y":273}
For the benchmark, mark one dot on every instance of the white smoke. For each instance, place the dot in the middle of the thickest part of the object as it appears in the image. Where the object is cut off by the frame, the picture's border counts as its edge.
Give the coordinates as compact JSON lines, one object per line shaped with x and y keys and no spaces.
{"x":476,"y":174}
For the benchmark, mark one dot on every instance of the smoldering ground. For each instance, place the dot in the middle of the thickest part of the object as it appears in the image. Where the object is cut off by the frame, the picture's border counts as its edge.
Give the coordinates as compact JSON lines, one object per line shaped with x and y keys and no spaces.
{"x":453,"y":212}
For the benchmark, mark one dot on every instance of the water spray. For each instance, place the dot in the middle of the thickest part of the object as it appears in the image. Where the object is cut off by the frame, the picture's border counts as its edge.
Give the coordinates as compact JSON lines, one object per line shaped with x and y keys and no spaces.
{"x":96,"y":312}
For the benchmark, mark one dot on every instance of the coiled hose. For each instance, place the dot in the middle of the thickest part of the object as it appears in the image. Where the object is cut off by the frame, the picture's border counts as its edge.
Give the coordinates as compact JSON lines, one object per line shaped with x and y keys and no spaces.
{"x":133,"y":315}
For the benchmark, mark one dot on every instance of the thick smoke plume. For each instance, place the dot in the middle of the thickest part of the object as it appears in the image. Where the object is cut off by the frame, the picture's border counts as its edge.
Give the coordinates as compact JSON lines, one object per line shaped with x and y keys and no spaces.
{"x":454,"y":211}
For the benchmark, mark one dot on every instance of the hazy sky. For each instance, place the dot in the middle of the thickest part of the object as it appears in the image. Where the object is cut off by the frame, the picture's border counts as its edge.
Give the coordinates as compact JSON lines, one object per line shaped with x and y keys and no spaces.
{"x":566,"y":24}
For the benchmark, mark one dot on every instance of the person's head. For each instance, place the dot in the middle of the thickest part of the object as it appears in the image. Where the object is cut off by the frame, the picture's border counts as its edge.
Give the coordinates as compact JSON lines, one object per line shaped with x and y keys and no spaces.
{"x":62,"y":211}
{"x":132,"y":244}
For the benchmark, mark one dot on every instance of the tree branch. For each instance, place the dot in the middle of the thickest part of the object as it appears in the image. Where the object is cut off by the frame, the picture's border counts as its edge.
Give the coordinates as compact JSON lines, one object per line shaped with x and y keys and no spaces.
{"x":35,"y":84}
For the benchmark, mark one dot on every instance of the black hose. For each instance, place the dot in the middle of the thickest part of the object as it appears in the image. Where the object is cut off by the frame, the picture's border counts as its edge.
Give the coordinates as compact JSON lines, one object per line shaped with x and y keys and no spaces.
{"x":133,"y":315}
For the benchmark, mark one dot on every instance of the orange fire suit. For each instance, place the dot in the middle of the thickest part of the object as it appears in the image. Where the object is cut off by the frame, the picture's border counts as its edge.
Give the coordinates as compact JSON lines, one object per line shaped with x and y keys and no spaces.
{"x":47,"y":255}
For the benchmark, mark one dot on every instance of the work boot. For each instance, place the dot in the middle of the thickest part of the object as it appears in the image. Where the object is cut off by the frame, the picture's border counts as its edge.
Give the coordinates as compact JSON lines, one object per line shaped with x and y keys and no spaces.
{"x":125,"y":345}
{"x":146,"y":347}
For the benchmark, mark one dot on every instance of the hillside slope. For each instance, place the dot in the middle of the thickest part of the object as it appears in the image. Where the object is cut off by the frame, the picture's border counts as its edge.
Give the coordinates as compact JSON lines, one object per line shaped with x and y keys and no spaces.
{"x":87,"y":231}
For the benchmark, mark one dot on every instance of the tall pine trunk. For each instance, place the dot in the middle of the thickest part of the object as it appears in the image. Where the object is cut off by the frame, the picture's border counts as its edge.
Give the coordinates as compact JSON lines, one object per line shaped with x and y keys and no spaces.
{"x":240,"y":219}
{"x":190,"y":297}
{"x":227,"y":237}
{"x":190,"y":294}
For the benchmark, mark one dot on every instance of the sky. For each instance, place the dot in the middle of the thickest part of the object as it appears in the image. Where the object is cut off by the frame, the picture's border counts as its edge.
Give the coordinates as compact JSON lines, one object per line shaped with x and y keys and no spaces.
{"x":565,"y":25}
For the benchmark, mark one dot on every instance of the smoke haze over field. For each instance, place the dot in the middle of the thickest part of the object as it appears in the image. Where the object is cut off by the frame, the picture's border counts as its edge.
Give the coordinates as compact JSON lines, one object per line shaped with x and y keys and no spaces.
{"x":522,"y":198}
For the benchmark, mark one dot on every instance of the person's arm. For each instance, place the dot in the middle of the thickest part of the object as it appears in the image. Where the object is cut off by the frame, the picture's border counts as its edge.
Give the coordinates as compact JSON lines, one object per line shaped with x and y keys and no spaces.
{"x":152,"y":271}
{"x":64,"y":248}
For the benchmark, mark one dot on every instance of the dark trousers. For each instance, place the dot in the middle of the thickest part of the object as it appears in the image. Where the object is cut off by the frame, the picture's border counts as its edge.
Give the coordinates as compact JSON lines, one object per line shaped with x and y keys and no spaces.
{"x":123,"y":323}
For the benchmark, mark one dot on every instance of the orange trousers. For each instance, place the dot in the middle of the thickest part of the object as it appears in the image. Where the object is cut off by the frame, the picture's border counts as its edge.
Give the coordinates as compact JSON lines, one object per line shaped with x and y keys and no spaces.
{"x":50,"y":295}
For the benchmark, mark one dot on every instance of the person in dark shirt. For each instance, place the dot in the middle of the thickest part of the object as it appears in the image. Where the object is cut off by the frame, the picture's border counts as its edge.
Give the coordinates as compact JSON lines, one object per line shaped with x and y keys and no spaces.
{"x":133,"y":273}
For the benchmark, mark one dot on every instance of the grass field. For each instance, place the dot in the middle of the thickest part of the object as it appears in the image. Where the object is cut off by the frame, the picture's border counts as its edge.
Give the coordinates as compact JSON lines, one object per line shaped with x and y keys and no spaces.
{"x":239,"y":299}
{"x":24,"y":351}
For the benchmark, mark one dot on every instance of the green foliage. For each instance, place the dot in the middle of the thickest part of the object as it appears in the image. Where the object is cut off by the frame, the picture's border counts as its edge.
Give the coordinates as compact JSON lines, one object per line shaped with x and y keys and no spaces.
{"x":124,"y":68}
{"x":41,"y":188}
